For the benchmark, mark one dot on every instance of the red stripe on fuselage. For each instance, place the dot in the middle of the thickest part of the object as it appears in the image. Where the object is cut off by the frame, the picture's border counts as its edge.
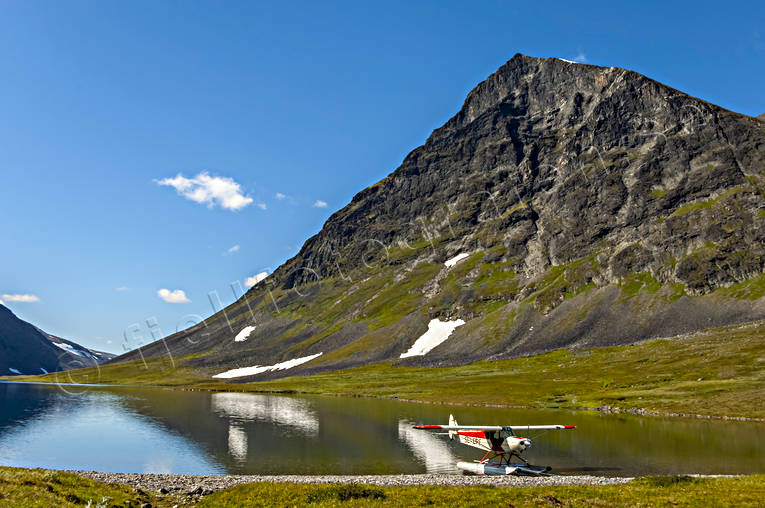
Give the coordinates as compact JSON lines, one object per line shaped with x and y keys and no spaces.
{"x":479,"y":434}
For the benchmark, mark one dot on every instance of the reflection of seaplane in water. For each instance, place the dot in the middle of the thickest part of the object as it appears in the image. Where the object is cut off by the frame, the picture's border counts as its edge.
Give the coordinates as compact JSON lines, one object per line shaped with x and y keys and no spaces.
{"x":500,"y":443}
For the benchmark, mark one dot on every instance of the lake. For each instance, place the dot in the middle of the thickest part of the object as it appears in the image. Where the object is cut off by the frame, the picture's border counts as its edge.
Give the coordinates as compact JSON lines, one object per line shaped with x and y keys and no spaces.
{"x":163,"y":431}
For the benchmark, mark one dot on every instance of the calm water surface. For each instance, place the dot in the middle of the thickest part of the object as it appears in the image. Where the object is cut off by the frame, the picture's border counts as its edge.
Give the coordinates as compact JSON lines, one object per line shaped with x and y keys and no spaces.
{"x":156,"y":430}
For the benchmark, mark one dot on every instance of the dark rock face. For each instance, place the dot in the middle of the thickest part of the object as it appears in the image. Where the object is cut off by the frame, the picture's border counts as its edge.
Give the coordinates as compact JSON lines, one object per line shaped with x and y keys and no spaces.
{"x":596,"y":154}
{"x":597,"y":205}
{"x":25,"y":349}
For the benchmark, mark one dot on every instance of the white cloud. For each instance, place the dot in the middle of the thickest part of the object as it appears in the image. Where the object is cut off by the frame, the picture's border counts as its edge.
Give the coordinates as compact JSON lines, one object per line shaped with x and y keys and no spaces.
{"x":20,"y":298}
{"x":262,"y":206}
{"x":320,"y":204}
{"x":251,"y":281}
{"x":177,"y":296}
{"x":209,"y":190}
{"x":122,"y":288}
{"x":581,"y":57}
{"x":280,"y":196}
{"x":233,"y":249}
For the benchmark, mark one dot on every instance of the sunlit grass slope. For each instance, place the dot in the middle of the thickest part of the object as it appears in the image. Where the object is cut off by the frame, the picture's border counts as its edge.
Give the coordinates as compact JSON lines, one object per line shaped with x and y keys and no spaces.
{"x":718,"y":372}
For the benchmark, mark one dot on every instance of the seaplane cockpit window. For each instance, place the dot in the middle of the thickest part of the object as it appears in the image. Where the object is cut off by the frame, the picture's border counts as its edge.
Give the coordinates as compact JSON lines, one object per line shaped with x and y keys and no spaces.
{"x":494,"y":438}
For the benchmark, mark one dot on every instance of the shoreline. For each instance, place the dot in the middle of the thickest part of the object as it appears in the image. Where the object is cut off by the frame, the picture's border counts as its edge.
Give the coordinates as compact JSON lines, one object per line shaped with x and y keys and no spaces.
{"x":190,"y":484}
{"x":605,"y":409}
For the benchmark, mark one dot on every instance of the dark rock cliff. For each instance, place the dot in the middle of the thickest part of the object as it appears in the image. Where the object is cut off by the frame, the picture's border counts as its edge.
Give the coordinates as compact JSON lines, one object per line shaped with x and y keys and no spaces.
{"x":594,"y":153}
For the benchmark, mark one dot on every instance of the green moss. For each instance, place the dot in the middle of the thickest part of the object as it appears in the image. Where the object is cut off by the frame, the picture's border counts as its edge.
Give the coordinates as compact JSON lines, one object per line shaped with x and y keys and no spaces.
{"x":658,"y":193}
{"x":565,"y":281}
{"x":692,"y":207}
{"x":520,"y":206}
{"x":495,"y":325}
{"x":399,"y":299}
{"x":345,"y":492}
{"x":495,"y":280}
{"x":761,"y":213}
{"x":676,"y":291}
{"x":752,"y":289}
{"x":316,"y":338}
{"x":488,"y":306}
{"x":412,"y":249}
{"x":700,"y":205}
{"x":634,"y":283}
{"x":582,"y":289}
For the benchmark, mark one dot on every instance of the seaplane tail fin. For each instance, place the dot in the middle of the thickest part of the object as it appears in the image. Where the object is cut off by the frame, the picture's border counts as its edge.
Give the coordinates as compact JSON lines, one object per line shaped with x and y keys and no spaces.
{"x":452,"y":423}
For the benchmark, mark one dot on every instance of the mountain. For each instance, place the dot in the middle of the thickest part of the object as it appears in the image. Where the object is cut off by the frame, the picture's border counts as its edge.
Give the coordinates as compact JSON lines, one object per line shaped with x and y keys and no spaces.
{"x":25,"y":349}
{"x":762,"y":116}
{"x":564,"y":205}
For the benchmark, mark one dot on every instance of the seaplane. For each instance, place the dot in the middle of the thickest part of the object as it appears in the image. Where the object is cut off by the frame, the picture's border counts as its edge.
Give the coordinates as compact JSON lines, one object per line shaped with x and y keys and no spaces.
{"x":501,"y":444}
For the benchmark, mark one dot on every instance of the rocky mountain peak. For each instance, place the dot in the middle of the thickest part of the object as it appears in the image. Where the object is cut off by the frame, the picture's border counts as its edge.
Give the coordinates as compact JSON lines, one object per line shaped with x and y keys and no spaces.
{"x":589,"y":151}
{"x":564,"y":205}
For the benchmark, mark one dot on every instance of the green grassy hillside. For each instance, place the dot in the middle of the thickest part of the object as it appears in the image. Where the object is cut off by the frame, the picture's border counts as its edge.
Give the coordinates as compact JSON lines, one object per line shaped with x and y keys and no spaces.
{"x":718,"y":372}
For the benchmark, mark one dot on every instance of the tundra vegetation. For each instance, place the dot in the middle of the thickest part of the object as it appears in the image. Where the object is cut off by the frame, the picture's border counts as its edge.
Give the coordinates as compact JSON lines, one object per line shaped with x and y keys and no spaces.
{"x":44,"y":488}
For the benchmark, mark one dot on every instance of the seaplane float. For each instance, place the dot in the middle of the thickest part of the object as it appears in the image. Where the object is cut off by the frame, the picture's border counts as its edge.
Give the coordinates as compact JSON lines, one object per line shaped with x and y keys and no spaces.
{"x":501,"y":444}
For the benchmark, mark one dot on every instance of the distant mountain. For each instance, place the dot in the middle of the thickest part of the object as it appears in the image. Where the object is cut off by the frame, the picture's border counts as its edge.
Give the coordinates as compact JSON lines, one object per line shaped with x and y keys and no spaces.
{"x":762,"y":116}
{"x":25,"y":349}
{"x":564,"y":206}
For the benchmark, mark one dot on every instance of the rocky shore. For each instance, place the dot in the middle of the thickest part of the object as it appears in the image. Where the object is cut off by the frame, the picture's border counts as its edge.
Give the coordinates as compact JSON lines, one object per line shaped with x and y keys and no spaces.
{"x":199,"y":485}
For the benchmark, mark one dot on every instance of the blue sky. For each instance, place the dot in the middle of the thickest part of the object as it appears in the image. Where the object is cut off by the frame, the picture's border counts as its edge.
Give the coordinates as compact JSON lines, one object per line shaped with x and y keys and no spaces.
{"x":101,"y":102}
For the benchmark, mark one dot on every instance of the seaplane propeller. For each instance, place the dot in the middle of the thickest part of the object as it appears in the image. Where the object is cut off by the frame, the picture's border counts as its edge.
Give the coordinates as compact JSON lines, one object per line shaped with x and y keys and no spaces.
{"x":500,"y":444}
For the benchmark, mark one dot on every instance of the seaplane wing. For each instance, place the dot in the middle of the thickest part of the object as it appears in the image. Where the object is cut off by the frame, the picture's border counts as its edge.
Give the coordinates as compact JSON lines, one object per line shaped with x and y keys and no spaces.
{"x":493,"y":428}
{"x":500,"y":442}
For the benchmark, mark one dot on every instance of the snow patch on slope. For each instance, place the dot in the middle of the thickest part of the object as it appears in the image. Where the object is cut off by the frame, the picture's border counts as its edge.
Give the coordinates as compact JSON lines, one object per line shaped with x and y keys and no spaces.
{"x":242,"y":336}
{"x":14,"y":370}
{"x":68,"y":348}
{"x":438,"y":331}
{"x":456,"y":259}
{"x":251,"y":371}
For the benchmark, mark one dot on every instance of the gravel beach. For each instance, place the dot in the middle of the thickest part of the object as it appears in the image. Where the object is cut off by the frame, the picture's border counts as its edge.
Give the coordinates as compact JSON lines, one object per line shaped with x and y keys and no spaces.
{"x":206,"y":484}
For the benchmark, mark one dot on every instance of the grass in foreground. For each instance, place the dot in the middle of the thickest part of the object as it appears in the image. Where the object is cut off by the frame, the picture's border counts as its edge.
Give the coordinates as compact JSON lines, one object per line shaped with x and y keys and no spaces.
{"x":38,"y":487}
{"x":44,"y":488}
{"x":648,"y":491}
{"x":718,"y":372}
